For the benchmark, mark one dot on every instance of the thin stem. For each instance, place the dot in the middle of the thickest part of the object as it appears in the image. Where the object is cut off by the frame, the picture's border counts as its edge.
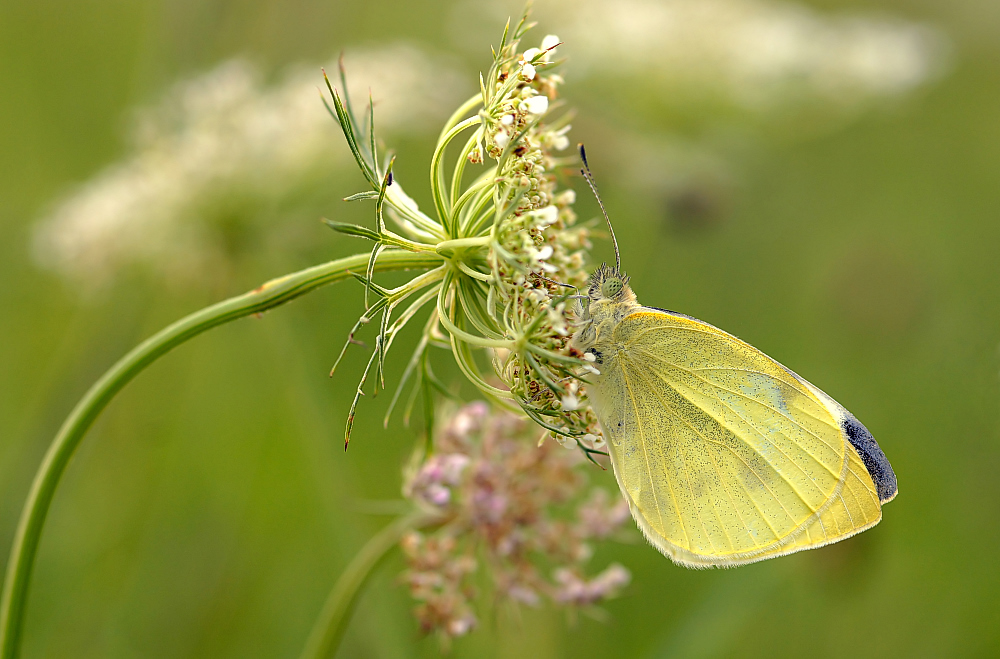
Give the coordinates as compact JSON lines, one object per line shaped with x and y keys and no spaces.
{"x":463,"y":110}
{"x":269,"y":295}
{"x":336,"y":613}
{"x":442,"y":199}
{"x":480,"y":187}
{"x":463,"y":159}
{"x":475,"y":274}
{"x":477,"y":241}
{"x":462,"y":335}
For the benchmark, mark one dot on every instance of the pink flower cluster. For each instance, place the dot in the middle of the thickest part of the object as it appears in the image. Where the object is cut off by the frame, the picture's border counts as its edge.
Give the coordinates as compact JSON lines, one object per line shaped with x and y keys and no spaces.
{"x":511,"y":508}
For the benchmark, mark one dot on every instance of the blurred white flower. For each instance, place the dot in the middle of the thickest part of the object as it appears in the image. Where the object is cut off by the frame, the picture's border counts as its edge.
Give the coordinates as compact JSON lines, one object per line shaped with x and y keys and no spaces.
{"x":755,"y":52}
{"x":219,"y":147}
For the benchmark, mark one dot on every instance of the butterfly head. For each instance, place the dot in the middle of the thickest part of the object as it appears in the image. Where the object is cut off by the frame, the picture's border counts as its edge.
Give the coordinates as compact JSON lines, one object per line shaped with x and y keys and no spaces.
{"x":608,"y":300}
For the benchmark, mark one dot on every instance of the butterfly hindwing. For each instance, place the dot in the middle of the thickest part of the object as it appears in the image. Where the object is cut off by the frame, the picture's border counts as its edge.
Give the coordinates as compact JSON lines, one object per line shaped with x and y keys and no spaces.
{"x":725,"y":456}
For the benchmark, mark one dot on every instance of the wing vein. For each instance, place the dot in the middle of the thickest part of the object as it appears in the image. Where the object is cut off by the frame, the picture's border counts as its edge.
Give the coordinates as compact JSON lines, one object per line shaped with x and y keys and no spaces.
{"x":649,"y":470}
{"x":738,"y":456}
{"x":722,"y":525}
{"x":778,"y":448}
{"x":746,"y":370}
{"x":687,"y":474}
{"x":750,"y":425}
{"x":736,"y":393}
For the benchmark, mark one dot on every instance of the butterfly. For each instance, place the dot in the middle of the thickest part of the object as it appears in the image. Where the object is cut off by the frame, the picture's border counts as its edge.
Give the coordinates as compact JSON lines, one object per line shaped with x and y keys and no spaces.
{"x":725,"y":456}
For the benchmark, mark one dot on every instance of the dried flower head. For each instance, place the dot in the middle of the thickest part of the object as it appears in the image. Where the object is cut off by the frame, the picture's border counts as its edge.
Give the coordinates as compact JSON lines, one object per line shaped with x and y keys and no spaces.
{"x":508,"y":508}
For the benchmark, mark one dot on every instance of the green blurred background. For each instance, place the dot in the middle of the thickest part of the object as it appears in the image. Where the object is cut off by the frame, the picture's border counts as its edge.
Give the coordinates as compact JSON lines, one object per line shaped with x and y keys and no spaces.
{"x":212,"y":506}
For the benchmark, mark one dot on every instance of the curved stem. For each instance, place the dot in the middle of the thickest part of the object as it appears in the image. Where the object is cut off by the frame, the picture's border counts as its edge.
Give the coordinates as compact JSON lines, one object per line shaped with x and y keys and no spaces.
{"x":269,"y":295}
{"x":332,"y":621}
{"x":459,"y":171}
{"x":442,"y":198}
{"x":462,"y":111}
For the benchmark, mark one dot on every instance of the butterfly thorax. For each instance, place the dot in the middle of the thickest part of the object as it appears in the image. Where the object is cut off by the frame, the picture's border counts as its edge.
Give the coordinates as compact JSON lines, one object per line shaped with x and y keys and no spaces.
{"x":609,"y":300}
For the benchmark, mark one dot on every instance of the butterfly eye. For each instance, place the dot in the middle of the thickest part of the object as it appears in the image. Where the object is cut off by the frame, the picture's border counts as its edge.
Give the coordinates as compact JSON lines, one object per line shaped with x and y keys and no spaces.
{"x":611,"y":287}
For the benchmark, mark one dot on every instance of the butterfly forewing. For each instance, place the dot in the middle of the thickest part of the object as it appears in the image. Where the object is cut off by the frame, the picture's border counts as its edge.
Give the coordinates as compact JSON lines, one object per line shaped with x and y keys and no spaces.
{"x":724,"y":455}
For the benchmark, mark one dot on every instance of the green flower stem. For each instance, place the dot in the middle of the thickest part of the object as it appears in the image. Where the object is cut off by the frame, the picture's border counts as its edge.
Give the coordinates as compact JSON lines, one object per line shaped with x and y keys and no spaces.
{"x":332,"y":621}
{"x":464,"y":109}
{"x":442,"y":198}
{"x":269,"y":295}
{"x":460,"y":243}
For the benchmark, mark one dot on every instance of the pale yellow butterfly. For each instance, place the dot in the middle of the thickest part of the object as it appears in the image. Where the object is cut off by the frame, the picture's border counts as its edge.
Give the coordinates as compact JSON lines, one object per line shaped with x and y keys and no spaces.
{"x":725,"y":456}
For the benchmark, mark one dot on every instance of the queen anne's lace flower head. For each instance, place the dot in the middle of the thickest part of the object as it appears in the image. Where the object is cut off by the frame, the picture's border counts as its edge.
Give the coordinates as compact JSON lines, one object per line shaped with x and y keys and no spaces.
{"x":512,"y":251}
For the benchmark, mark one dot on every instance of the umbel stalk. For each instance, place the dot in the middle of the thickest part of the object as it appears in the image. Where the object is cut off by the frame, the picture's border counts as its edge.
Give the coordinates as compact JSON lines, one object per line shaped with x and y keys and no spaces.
{"x":271,"y":294}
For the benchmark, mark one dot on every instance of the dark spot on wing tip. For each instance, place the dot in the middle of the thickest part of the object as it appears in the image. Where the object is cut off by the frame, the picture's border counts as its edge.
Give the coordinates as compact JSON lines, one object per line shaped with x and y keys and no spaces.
{"x":872,"y":456}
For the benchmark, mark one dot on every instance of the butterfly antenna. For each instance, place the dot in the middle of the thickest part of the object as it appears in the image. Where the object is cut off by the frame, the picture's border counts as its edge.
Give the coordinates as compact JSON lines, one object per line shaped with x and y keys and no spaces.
{"x":593,"y":187}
